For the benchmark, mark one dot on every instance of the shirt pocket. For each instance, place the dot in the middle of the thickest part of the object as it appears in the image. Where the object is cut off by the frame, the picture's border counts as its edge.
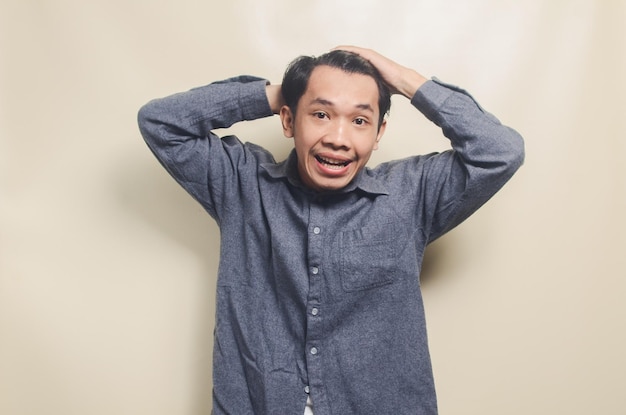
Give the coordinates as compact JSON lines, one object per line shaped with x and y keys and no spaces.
{"x":369,"y":255}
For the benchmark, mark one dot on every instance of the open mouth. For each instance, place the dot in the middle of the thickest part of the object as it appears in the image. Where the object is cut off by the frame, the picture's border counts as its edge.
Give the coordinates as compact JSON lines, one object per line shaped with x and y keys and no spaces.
{"x":332,"y":163}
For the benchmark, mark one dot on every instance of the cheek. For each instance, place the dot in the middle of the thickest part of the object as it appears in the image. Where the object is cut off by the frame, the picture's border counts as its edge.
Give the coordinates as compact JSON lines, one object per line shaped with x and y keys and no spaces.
{"x":306,"y":138}
{"x":366,"y":147}
{"x":303,"y":147}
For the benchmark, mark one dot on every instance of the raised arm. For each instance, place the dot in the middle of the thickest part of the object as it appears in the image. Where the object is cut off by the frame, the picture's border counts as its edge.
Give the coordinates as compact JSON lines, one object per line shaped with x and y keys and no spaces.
{"x":485,"y":153}
{"x":193,"y":114}
{"x":179,"y":131}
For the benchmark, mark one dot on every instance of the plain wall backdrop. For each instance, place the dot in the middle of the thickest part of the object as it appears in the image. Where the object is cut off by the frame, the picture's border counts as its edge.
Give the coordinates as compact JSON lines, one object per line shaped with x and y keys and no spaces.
{"x":107,"y":268}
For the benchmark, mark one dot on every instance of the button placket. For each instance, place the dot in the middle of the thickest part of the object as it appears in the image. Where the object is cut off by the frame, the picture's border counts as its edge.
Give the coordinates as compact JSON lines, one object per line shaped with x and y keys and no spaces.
{"x":315,"y":271}
{"x":314,"y":325}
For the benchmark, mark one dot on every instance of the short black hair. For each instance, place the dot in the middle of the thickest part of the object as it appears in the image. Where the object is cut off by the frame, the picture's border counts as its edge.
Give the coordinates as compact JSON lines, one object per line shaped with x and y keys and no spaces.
{"x":296,"y":78}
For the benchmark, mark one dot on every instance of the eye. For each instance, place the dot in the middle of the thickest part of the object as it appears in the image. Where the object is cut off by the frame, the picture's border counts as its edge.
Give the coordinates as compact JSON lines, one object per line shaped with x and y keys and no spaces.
{"x":320,"y":114}
{"x":360,"y":121}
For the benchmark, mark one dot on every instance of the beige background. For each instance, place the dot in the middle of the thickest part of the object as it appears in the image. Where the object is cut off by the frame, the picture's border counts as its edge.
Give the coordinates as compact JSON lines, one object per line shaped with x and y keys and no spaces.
{"x":107,"y":268}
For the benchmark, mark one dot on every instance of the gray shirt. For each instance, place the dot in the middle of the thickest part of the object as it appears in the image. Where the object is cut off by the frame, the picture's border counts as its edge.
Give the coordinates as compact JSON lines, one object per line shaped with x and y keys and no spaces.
{"x":319,"y":293}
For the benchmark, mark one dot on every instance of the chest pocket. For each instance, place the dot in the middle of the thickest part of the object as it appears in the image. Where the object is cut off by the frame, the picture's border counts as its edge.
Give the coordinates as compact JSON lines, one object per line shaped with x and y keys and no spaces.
{"x":369,"y":255}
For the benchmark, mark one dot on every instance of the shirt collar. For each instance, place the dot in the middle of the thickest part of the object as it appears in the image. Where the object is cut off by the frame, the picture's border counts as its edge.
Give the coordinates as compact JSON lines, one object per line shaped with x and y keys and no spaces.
{"x":288,"y":169}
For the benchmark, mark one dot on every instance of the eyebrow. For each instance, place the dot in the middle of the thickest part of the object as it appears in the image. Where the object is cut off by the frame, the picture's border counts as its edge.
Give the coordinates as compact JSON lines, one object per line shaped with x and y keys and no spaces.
{"x":328,"y":103}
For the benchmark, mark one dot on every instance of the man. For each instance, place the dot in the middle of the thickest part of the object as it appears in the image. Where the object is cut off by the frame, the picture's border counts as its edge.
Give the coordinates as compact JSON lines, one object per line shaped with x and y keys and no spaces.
{"x":318,"y":294}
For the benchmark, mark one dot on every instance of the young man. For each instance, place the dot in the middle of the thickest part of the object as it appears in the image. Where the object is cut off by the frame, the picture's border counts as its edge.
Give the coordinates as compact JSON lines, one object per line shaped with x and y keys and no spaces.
{"x":318,"y":294}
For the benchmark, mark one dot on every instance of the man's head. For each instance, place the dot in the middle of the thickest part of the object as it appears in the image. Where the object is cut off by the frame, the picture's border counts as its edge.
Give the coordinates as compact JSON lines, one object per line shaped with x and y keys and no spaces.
{"x":335,"y":111}
{"x":296,"y":77}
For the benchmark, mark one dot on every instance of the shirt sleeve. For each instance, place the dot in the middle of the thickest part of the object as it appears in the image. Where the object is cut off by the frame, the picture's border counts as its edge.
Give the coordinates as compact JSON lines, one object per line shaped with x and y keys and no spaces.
{"x":485,"y":154}
{"x":179,"y":131}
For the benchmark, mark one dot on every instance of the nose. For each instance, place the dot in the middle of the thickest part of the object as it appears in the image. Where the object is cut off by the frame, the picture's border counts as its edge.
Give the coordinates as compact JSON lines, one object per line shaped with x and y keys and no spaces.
{"x":337,"y":135}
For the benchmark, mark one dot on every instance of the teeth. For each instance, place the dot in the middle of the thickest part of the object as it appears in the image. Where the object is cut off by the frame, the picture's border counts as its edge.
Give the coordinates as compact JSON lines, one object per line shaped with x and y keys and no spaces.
{"x":332,"y":162}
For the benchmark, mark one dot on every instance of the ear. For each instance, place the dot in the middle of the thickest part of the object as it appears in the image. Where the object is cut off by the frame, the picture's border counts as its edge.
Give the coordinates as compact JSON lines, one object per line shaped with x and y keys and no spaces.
{"x":381,"y":131}
{"x":287,"y":120}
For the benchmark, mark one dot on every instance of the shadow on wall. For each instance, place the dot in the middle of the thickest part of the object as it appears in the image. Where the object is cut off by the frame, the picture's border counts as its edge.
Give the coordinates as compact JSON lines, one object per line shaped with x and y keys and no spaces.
{"x":435,"y":259}
{"x":152,"y":196}
{"x":147,"y":192}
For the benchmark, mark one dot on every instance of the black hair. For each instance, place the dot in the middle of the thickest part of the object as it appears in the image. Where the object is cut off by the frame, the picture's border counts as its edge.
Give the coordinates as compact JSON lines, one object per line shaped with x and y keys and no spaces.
{"x":296,"y":78}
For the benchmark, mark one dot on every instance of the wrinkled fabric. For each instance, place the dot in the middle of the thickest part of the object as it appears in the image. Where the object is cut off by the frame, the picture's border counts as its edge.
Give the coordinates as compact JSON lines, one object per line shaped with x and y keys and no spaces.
{"x":319,"y":293}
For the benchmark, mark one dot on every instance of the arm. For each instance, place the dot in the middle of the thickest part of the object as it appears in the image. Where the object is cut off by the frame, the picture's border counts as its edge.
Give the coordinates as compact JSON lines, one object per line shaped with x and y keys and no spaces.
{"x":485,"y":153}
{"x":178,"y":130}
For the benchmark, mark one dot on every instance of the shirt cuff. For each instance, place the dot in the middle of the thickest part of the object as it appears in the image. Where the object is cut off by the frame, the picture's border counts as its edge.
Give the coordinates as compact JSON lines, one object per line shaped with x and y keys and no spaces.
{"x":253,"y":99}
{"x":431,"y":96}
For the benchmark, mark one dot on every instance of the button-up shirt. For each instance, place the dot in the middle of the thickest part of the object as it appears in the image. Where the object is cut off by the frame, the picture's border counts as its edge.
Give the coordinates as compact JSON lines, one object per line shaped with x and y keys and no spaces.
{"x":319,"y":293}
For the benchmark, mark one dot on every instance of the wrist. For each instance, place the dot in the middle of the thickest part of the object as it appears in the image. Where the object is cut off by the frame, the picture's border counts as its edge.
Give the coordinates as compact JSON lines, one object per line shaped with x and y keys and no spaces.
{"x":274,"y":97}
{"x":411,"y":82}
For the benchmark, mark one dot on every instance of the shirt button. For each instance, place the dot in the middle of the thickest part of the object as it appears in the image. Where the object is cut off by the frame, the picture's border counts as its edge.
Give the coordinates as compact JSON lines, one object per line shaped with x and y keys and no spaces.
{"x":316,"y":230}
{"x":315,"y":311}
{"x":307,"y":389}
{"x":314,"y":350}
{"x":315,"y":270}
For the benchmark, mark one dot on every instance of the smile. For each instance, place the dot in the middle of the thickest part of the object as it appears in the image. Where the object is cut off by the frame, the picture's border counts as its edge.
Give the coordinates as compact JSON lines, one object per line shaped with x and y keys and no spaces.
{"x":332,"y":163}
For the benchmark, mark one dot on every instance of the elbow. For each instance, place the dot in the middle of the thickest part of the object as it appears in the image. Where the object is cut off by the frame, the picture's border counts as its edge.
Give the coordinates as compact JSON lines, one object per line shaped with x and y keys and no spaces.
{"x":516,"y":151}
{"x":510,"y":156}
{"x":144,"y":117}
{"x":147,"y":122}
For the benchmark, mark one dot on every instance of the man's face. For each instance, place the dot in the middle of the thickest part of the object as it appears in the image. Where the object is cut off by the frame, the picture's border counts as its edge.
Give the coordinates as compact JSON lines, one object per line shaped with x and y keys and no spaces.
{"x":335,"y":128}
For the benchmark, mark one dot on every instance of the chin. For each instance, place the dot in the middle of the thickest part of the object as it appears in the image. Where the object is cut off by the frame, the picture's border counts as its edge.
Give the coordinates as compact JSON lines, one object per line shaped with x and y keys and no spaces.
{"x":330,"y":187}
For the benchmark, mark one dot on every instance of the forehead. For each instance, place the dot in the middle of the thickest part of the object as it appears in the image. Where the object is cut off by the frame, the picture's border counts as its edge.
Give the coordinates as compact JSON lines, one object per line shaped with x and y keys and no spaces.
{"x":341,"y":88}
